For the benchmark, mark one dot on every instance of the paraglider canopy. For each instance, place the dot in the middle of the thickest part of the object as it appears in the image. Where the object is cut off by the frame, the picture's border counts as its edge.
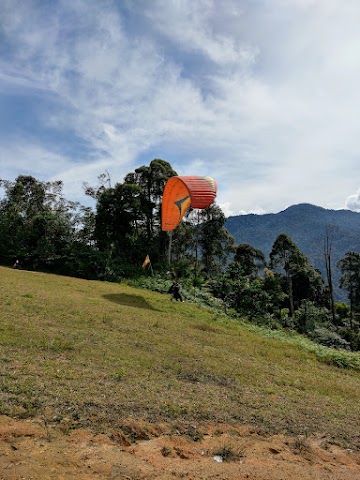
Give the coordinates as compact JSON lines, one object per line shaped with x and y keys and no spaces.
{"x":182,"y":192}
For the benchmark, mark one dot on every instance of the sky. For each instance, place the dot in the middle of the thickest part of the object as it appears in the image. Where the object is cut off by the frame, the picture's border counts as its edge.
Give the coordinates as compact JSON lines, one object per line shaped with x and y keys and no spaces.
{"x":261,"y":95}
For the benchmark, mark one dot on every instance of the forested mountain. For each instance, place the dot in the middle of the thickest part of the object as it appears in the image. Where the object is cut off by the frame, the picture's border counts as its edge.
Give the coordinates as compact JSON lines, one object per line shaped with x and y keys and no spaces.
{"x":308,"y":226}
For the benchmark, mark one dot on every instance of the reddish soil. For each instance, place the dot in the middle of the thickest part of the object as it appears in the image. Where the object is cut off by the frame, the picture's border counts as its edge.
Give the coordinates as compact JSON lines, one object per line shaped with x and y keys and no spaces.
{"x":29,"y":449}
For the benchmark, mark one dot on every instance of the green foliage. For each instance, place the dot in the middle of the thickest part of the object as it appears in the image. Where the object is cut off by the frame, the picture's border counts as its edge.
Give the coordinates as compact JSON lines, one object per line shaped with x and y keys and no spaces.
{"x":249,"y":295}
{"x":350,"y":280}
{"x":183,"y":268}
{"x":340,"y":358}
{"x":302,"y":280}
{"x":156,"y":283}
{"x":39,"y":227}
{"x":118,"y":216}
{"x":342,"y":310}
{"x":250,"y":298}
{"x":184,"y":244}
{"x":329,"y":338}
{"x":250,"y":259}
{"x":308,"y":316}
{"x":118,"y":375}
{"x":351,"y":336}
{"x":214,"y":240}
{"x":151,"y":181}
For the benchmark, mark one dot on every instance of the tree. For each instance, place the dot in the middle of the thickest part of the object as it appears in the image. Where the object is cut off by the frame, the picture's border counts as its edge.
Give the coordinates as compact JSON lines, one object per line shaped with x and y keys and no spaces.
{"x":283,"y":255}
{"x":302,"y":280}
{"x":127,"y":220}
{"x":22,"y":208}
{"x":152,"y":179}
{"x":27,"y":216}
{"x":38,"y":224}
{"x":214,"y":240}
{"x":328,"y":241}
{"x":248,"y":295}
{"x":250,"y":259}
{"x":104,"y":182}
{"x":308,"y":284}
{"x":118,"y":221}
{"x":183,"y":249}
{"x":350,"y":280}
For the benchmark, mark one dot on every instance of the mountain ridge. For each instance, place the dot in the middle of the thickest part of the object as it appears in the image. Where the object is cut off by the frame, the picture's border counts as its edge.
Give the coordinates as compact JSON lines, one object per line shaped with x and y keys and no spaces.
{"x":306,"y":224}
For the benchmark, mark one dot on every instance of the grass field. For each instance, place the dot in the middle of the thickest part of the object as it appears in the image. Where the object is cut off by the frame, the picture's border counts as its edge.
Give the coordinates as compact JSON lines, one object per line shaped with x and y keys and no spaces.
{"x":94,"y":354}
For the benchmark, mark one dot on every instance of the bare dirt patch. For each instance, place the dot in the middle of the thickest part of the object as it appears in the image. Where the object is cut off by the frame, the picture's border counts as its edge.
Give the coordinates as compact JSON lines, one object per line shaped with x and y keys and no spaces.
{"x":29,"y":449}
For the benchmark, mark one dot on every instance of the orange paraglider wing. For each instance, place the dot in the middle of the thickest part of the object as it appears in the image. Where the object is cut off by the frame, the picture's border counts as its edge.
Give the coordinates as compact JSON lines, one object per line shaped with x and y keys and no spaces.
{"x":180,"y":193}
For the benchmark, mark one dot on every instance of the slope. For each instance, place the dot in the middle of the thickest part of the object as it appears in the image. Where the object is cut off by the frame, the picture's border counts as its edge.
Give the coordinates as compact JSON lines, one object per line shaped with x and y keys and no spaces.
{"x":101,"y":380}
{"x":86,"y":353}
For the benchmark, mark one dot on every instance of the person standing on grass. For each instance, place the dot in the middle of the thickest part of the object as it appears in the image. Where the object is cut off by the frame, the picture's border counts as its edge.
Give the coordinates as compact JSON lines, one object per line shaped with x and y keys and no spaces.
{"x":175,"y":291}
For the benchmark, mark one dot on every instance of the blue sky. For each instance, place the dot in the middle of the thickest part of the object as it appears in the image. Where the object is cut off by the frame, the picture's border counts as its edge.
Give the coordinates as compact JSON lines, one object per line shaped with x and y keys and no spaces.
{"x":262,"y":95}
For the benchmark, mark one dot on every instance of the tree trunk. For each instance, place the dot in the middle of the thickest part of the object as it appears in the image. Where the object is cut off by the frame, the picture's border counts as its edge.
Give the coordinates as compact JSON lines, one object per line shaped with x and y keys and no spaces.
{"x":291,"y":295}
{"x":329,"y":235}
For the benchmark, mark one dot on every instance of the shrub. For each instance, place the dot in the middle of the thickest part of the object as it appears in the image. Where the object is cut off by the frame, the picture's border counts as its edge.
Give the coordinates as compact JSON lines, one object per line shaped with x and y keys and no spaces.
{"x":352,"y":337}
{"x":309,"y":316}
{"x":329,"y":338}
{"x":342,"y":310}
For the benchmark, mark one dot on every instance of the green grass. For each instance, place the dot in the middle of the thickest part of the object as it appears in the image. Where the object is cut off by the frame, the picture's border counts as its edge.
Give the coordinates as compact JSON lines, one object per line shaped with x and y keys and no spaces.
{"x":95,"y":354}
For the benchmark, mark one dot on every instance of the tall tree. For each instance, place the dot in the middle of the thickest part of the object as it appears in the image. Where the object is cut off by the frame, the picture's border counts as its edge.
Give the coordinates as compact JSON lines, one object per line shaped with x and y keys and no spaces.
{"x":152,"y":179}
{"x":282,"y":256}
{"x":104,"y":182}
{"x":250,"y":259}
{"x":350,"y":280}
{"x":38,"y":224}
{"x":118,"y":223}
{"x":328,"y":241}
{"x":214,"y":240}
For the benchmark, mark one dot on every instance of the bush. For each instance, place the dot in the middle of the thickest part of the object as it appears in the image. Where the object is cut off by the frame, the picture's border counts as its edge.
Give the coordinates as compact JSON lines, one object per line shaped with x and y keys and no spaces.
{"x":156,"y":283}
{"x":309,"y":316}
{"x":326,"y":337}
{"x":267,"y":320}
{"x":352,"y":337}
{"x":342,"y":310}
{"x":339,"y":358}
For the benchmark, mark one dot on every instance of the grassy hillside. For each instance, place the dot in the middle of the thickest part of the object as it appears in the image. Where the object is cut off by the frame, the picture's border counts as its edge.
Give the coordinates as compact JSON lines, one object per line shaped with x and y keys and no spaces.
{"x":85,"y":353}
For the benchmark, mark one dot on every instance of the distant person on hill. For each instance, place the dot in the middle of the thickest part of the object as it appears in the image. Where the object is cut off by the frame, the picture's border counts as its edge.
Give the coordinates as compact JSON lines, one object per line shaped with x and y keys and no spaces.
{"x":175,"y":291}
{"x":16,"y":265}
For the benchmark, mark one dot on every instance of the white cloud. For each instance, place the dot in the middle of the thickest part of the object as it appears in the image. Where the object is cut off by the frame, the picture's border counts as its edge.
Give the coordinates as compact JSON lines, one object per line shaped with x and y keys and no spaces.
{"x":263,"y":96}
{"x":353,"y":202}
{"x":191,"y":26}
{"x":30,"y":159}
